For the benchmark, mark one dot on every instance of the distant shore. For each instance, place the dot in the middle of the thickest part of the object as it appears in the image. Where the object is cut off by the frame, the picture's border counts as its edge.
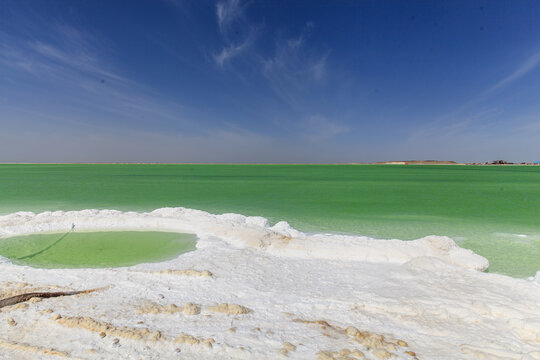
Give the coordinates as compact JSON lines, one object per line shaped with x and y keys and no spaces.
{"x":449,"y":162}
{"x":420,"y":162}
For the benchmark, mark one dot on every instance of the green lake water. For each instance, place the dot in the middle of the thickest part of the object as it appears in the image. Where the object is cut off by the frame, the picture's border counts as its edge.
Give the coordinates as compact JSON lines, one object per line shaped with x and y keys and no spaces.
{"x":493,"y":210}
{"x":95,"y":249}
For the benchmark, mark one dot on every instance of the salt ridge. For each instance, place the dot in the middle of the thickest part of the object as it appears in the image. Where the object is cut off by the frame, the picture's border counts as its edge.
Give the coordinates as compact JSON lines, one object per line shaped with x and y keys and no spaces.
{"x":239,"y":230}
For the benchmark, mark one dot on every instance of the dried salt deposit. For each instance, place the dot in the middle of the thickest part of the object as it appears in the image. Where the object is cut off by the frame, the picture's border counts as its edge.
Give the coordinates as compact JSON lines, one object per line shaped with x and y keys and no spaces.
{"x":308,"y":296}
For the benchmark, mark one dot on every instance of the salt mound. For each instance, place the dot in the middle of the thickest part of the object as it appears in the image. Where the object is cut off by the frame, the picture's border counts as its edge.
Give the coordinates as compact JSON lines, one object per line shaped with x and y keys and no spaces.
{"x":229,"y":309}
{"x":33,"y":349}
{"x":90,"y":324}
{"x":187,"y":272}
{"x":154,"y":308}
{"x":252,"y":232}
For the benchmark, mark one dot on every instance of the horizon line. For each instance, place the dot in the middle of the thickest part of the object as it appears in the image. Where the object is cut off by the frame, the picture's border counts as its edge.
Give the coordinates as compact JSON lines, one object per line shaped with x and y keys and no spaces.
{"x":390,"y":162}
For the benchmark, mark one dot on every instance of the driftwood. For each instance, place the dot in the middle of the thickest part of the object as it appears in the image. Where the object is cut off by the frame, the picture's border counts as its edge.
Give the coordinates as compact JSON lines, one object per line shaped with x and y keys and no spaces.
{"x":25,"y":297}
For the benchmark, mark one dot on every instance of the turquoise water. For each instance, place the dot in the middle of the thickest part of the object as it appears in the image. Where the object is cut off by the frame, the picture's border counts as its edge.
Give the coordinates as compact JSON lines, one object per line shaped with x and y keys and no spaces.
{"x":494,"y":211}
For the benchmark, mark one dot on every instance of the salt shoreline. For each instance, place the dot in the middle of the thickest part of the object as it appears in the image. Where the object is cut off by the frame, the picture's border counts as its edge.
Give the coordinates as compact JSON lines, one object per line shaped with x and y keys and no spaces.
{"x":305,"y":296}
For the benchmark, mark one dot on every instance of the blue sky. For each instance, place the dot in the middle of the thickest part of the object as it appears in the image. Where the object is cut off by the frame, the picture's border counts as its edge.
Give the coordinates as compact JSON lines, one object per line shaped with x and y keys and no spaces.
{"x":269,"y":81}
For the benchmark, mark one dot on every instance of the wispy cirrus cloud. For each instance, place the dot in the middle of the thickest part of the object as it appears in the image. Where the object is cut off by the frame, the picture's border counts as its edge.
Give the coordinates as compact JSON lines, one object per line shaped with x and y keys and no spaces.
{"x":79,"y":60}
{"x":531,"y":63}
{"x":295,"y":66}
{"x":234,"y":49}
{"x":77,"y":66}
{"x":479,"y":121}
{"x":474,"y":116}
{"x":227,"y":12}
{"x":527,"y":66}
{"x":74,"y":53}
{"x":237,"y":32}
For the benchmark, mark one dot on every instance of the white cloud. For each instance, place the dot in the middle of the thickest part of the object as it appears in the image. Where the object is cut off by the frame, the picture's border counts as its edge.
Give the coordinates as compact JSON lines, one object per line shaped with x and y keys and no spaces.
{"x":299,"y":41}
{"x":318,"y":67}
{"x":470,"y":116}
{"x":78,"y":72}
{"x":237,"y":33}
{"x":74,"y":54}
{"x":233,"y":50}
{"x":530,"y":64}
{"x":227,"y":12}
{"x":457,"y":125}
{"x":295,"y":67}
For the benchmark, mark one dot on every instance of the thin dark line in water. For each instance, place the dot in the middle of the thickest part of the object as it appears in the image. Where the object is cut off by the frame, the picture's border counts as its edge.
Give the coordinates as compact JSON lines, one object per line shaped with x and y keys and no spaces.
{"x":48,"y":247}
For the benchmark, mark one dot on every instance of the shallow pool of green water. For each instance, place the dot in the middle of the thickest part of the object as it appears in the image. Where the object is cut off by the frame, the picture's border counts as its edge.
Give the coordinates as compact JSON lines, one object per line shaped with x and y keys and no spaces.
{"x":95,"y":249}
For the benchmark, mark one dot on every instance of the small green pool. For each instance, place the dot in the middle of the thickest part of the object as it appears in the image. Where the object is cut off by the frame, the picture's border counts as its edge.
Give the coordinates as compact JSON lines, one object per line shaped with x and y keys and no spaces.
{"x":95,"y":249}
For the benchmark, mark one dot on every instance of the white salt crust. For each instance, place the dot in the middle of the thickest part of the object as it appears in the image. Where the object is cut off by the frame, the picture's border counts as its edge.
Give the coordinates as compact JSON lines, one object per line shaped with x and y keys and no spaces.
{"x":428,"y":293}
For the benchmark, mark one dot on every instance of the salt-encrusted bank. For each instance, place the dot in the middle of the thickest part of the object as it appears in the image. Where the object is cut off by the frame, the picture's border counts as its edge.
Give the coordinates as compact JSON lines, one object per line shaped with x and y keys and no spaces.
{"x":254,"y":291}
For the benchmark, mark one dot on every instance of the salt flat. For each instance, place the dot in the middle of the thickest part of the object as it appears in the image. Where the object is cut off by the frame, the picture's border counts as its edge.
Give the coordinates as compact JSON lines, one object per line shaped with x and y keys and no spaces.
{"x":251,"y":291}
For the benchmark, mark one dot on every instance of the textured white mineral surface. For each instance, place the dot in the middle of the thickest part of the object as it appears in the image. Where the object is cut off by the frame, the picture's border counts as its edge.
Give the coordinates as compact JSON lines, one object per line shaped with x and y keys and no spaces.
{"x":251,"y":291}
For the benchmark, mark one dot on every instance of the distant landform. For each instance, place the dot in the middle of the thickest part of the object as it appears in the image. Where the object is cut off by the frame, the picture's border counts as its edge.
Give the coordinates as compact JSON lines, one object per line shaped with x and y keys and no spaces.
{"x":419,"y":162}
{"x":450,"y":162}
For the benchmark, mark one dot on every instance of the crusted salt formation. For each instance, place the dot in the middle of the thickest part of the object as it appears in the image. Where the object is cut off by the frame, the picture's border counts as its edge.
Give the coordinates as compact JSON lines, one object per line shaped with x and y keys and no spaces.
{"x":382,"y":354}
{"x":229,"y":309}
{"x":287,"y":347}
{"x":192,"y":309}
{"x":377,"y":344}
{"x":355,"y":353}
{"x":371,"y":341}
{"x":21,"y":306}
{"x":90,"y":324}
{"x":32,"y":349}
{"x":252,"y":232}
{"x":445,"y":310}
{"x":402,"y":343}
{"x":156,"y":335}
{"x":184,"y":338}
{"x":187,"y":272}
{"x":323,"y":323}
{"x":154,"y":308}
{"x":328,"y":330}
{"x":344,"y":354}
{"x":14,"y":284}
{"x":10,"y":288}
